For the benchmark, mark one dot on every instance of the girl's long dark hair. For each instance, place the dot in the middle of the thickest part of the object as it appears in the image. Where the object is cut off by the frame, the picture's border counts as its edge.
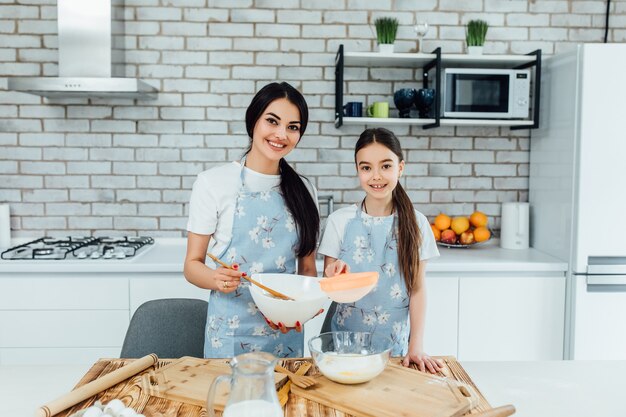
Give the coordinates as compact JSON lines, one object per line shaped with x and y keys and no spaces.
{"x":297,"y":196}
{"x":408,"y":232}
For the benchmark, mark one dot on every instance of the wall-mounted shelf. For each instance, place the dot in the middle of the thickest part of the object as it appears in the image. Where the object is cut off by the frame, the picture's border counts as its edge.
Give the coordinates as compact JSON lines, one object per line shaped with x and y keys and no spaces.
{"x":431,"y":65}
{"x":394,"y":121}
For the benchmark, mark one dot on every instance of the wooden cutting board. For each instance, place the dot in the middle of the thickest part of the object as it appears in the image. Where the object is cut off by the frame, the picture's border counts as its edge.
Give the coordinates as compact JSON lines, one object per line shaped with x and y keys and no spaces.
{"x":397,"y":392}
{"x":188,"y":380}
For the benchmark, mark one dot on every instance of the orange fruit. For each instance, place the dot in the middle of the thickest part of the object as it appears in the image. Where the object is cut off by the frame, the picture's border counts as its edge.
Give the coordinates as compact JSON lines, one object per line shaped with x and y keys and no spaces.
{"x":442,"y":222}
{"x":481,"y":234}
{"x":478,"y":219}
{"x":460,"y":224}
{"x":436,"y":232}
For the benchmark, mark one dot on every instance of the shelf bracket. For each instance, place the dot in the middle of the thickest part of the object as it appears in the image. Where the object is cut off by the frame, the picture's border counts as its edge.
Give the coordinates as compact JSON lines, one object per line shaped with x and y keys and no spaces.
{"x":339,"y":87}
{"x":435,"y":63}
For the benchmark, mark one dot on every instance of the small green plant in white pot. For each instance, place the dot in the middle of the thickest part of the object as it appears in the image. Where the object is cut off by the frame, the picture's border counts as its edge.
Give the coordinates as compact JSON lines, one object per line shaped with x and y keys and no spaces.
{"x":475,"y":36}
{"x":386,"y":30}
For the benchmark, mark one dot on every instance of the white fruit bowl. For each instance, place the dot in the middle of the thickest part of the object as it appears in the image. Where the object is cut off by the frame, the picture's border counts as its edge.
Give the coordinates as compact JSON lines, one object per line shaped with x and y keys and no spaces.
{"x":309,"y":298}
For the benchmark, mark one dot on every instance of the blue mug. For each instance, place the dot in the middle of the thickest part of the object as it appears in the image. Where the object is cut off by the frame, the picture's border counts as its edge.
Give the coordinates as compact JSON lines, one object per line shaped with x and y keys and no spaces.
{"x":353,"y":109}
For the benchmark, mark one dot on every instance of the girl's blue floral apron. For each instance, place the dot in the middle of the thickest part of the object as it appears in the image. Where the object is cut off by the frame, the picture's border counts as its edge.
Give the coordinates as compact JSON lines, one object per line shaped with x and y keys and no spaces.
{"x":370,"y":244}
{"x":264,"y":240}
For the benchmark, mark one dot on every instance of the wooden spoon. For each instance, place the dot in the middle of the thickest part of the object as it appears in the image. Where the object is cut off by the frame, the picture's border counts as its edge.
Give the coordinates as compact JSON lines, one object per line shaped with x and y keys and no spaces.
{"x":300,"y":380}
{"x":251,"y":281}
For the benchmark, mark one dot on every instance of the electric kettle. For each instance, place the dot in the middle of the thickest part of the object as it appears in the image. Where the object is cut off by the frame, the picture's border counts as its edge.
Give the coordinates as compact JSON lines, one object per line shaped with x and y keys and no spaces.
{"x":515,"y":227}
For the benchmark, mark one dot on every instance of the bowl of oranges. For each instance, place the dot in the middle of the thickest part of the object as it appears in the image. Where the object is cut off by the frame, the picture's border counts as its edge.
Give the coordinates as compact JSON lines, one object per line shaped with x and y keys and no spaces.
{"x":461,"y":231}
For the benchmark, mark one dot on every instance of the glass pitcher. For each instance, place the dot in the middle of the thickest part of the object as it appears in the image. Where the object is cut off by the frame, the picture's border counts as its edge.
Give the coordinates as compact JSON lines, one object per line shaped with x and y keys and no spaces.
{"x":252,"y":387}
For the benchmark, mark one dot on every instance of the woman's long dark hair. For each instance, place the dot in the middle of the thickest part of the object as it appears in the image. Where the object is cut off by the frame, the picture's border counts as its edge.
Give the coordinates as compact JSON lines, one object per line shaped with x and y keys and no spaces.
{"x":408,"y":232}
{"x":297,"y":196}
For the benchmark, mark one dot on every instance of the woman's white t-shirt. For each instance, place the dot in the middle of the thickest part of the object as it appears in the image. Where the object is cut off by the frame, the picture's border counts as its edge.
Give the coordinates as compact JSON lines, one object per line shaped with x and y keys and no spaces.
{"x":336,"y":226}
{"x":213,"y":199}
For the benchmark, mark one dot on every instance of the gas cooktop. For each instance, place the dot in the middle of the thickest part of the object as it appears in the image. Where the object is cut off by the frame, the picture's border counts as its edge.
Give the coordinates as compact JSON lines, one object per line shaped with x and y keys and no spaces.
{"x":79,"y":247}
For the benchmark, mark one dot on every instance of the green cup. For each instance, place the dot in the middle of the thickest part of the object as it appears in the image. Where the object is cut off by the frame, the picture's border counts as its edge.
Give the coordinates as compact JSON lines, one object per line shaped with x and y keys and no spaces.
{"x":379,"y":109}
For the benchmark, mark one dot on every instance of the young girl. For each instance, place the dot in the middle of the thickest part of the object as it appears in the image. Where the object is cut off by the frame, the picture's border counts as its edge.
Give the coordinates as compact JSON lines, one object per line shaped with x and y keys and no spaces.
{"x":257,"y":215}
{"x":383,"y":233}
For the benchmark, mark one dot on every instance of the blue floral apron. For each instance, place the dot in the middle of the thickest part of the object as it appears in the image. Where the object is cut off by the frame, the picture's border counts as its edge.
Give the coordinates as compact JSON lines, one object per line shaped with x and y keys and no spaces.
{"x":264,"y":240}
{"x":370,"y":244}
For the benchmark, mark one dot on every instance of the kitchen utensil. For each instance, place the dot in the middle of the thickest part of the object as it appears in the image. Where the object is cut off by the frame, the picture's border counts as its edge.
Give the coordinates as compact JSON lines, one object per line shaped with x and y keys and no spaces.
{"x":250,"y":280}
{"x":252,"y":389}
{"x":424,"y":98}
{"x":379,"y":109}
{"x":351,"y":287}
{"x":188,"y":379}
{"x":421,"y":28}
{"x":514,"y":233}
{"x":403,"y":99}
{"x":504,"y":411}
{"x":397,"y":391}
{"x":353,"y":109}
{"x":300,"y":380}
{"x":309,"y":298}
{"x":350,"y":357}
{"x":96,"y":386}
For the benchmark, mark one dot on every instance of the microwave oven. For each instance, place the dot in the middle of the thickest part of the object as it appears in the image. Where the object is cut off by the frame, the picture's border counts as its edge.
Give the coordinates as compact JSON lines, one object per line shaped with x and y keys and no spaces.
{"x":486,"y":93}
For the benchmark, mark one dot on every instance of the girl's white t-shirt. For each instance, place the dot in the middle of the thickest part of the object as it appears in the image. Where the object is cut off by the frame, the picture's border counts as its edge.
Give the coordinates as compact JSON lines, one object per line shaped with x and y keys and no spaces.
{"x":336,"y":226}
{"x":213,"y":199}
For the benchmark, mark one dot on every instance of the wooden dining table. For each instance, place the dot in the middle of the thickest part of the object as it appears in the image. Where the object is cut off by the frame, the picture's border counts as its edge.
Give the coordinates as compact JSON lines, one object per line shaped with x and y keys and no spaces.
{"x":135,"y":394}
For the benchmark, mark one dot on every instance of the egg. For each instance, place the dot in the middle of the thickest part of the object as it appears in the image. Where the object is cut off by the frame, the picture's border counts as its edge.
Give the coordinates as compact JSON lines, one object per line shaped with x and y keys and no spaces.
{"x":92,"y":411}
{"x":114,"y":407}
{"x":127,"y":412}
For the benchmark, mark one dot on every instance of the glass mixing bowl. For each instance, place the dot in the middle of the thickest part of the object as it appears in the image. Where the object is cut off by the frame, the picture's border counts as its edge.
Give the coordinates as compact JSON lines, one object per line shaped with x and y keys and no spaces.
{"x":350,"y":357}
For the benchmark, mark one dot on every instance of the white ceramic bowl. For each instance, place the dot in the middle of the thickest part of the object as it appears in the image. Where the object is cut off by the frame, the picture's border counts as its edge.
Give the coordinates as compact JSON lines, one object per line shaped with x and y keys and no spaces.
{"x":350,"y":357}
{"x":309,"y":297}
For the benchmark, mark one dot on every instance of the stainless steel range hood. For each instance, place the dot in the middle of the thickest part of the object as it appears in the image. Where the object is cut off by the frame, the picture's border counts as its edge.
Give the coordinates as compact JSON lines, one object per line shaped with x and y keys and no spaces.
{"x":91,"y":56}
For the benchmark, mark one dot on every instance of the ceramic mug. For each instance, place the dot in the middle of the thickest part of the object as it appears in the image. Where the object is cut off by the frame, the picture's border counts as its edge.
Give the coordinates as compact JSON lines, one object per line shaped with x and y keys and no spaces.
{"x":379,"y":109}
{"x":353,"y":109}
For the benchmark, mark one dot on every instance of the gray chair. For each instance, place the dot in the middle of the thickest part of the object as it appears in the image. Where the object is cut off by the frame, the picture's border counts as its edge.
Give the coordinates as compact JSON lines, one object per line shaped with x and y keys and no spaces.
{"x":329,"y":316}
{"x":171,"y":328}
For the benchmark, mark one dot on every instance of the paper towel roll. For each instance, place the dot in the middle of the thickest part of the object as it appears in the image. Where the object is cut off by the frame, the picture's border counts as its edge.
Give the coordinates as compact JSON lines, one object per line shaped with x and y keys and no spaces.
{"x":5,"y":226}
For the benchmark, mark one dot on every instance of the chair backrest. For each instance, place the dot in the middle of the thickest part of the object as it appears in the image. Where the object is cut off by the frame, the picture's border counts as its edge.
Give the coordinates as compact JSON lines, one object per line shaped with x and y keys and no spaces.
{"x":329,"y":315}
{"x":171,"y":328}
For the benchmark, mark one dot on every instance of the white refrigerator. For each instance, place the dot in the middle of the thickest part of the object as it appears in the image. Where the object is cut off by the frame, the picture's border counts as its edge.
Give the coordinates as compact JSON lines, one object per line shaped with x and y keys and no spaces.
{"x":578,"y":192}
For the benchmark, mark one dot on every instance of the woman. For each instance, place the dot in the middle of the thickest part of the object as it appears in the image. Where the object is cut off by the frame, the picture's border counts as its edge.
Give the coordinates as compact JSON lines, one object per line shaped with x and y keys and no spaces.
{"x":257,"y":215}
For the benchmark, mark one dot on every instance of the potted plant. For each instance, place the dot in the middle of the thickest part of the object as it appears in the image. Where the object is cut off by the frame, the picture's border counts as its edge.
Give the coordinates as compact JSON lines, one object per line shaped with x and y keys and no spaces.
{"x":386,"y":30}
{"x":475,"y":36}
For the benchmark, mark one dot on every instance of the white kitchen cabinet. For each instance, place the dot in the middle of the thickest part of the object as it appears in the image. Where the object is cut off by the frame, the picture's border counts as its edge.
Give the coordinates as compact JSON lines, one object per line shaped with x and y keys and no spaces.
{"x":511,"y":317}
{"x":599,"y":331}
{"x":159,"y":286}
{"x":442,"y":307}
{"x":62,"y":318}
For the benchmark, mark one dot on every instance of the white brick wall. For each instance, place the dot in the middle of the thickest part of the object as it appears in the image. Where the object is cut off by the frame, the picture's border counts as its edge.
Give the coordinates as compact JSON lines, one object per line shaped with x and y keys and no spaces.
{"x":127,"y":167}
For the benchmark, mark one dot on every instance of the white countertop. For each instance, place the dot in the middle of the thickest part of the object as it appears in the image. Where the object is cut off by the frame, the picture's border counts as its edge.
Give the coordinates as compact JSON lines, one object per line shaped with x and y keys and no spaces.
{"x":167,"y":255}
{"x":537,"y":389}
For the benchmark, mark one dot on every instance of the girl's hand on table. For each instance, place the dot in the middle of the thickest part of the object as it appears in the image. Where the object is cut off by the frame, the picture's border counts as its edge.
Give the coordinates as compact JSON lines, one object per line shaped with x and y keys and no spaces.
{"x":337,"y":267}
{"x":227,"y":280}
{"x":424,"y":362}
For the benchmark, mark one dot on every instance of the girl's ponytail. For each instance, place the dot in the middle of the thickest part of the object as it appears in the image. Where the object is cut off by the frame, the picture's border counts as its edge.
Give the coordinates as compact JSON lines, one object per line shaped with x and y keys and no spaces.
{"x":409,"y":239}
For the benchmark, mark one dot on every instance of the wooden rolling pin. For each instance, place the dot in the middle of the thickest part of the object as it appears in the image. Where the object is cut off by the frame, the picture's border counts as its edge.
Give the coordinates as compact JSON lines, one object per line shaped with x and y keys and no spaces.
{"x":96,"y":386}
{"x":504,"y":411}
